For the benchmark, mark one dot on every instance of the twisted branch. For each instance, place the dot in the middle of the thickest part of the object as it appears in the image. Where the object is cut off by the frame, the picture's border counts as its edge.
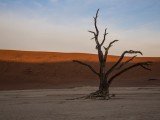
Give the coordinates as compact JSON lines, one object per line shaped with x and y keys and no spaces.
{"x":120,"y":59}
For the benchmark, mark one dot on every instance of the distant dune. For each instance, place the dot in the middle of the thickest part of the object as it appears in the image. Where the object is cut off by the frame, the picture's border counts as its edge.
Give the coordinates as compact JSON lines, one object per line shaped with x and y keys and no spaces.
{"x":40,"y":70}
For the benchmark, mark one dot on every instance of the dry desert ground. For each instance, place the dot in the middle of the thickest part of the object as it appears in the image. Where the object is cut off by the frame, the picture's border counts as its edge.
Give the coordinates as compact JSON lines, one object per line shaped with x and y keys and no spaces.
{"x":130,"y":103}
{"x":41,"y":85}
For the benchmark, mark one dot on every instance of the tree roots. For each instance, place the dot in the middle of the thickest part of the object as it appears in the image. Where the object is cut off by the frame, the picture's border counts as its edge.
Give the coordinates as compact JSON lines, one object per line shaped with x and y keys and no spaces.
{"x":98,"y":95}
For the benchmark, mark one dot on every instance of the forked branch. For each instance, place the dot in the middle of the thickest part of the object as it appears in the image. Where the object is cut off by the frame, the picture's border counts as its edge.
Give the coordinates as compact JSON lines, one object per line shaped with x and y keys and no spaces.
{"x":110,"y":45}
{"x":124,"y":63}
{"x":120,"y":59}
{"x":104,"y":37}
{"x":141,"y":64}
{"x":90,"y":67}
{"x":107,"y":49}
{"x":96,"y":34}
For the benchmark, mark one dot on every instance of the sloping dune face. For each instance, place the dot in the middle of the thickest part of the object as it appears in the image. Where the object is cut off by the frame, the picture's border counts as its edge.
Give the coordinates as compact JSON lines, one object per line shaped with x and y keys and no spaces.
{"x":37,"y":70}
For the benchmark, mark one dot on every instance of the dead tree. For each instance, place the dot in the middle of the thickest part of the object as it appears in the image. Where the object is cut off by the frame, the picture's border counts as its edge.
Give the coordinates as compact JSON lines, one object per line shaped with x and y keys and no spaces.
{"x":105,"y":77}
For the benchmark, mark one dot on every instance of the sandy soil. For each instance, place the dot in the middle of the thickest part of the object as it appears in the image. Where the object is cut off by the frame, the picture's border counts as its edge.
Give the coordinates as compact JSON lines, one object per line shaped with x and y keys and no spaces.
{"x":130,"y":103}
{"x":44,"y":70}
{"x":137,"y":91}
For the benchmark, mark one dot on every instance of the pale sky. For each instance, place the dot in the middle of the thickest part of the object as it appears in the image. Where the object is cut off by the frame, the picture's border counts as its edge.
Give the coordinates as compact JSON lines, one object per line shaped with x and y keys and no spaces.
{"x":62,"y":25}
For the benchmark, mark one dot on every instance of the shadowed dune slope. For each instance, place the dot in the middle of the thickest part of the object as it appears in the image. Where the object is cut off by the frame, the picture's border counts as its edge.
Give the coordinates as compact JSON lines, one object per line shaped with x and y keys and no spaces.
{"x":38,"y":70}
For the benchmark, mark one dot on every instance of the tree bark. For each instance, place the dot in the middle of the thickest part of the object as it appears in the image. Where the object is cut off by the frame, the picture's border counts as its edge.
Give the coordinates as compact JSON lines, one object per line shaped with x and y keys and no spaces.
{"x":105,"y":78}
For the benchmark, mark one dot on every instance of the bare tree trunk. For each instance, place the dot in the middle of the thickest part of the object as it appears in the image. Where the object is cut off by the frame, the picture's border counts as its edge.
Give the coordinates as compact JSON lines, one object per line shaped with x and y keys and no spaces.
{"x":105,"y":78}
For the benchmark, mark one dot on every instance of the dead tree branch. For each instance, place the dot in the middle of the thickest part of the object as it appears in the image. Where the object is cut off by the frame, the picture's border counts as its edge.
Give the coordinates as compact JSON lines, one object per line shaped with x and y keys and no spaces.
{"x":141,"y":64}
{"x":120,"y":59}
{"x":90,"y":67}
{"x":107,"y":49}
{"x":104,"y":37}
{"x":96,"y":34}
{"x":124,"y":63}
{"x":110,"y":45}
{"x":95,"y":23}
{"x":92,"y":32}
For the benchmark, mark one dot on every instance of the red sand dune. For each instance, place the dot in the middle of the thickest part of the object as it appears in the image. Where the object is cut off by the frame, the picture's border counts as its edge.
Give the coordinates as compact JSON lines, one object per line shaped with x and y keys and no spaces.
{"x":36,"y":70}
